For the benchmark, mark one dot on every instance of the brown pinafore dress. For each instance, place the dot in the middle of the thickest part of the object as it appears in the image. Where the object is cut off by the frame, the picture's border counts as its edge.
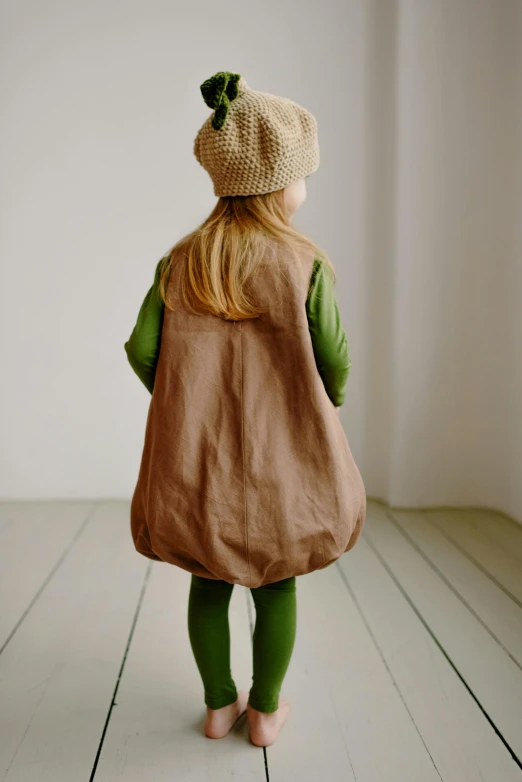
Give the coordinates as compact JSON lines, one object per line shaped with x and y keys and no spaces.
{"x":246,"y":474}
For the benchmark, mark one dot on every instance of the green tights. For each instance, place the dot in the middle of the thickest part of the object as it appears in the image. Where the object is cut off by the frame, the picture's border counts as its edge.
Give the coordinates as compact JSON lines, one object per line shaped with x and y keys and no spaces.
{"x":273,"y":639}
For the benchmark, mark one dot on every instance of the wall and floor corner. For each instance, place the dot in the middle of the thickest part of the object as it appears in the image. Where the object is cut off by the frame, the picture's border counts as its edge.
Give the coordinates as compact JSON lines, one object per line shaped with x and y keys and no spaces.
{"x":442,"y":394}
{"x":417,"y":201}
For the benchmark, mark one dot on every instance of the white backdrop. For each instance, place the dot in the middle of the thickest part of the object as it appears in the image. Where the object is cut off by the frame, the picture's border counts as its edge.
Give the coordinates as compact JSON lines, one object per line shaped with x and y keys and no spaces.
{"x":418,"y":201}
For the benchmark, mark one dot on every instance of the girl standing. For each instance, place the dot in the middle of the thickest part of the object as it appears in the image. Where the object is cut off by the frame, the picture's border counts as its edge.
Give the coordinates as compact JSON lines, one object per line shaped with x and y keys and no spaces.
{"x":246,"y":475}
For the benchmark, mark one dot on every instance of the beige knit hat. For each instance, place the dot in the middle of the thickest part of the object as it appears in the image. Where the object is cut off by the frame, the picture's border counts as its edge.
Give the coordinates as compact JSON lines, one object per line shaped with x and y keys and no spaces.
{"x":254,"y":142}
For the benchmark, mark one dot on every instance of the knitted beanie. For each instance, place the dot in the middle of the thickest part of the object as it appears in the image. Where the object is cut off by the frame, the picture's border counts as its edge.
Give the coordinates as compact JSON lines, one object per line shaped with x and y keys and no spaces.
{"x":254,"y":142}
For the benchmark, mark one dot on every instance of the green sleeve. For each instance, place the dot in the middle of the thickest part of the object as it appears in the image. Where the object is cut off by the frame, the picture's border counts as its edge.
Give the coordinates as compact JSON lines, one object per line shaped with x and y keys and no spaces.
{"x":143,"y":345}
{"x":328,"y":336}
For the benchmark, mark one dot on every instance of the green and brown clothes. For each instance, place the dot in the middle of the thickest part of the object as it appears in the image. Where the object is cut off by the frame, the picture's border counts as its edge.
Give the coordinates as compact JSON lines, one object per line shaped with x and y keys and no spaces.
{"x":246,"y":474}
{"x":328,"y":336}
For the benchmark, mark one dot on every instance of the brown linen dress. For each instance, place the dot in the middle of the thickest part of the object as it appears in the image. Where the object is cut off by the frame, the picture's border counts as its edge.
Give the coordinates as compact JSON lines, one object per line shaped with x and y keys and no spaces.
{"x":246,"y":474}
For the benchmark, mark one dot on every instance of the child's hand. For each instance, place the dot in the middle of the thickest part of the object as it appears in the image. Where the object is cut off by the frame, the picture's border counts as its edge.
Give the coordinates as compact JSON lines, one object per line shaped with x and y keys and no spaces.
{"x":337,"y":409}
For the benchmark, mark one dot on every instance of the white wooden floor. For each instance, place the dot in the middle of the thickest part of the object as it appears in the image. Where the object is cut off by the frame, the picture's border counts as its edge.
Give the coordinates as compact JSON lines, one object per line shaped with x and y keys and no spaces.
{"x":407,"y":665}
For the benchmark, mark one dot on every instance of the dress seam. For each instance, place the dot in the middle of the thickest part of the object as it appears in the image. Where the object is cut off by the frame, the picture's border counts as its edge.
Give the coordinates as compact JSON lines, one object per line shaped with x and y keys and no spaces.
{"x":243,"y":448}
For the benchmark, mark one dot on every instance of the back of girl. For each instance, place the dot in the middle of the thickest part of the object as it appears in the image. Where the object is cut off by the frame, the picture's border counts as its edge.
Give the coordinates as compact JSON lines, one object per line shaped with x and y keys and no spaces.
{"x":246,"y":475}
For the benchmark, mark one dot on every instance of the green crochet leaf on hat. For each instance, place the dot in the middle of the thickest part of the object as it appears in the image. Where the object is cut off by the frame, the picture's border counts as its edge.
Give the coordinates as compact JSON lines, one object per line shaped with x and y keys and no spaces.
{"x":217,"y":93}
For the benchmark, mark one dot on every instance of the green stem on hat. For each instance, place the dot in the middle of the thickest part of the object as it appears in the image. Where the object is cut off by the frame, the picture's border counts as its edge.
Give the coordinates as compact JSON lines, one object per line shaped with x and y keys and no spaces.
{"x":218,"y":92}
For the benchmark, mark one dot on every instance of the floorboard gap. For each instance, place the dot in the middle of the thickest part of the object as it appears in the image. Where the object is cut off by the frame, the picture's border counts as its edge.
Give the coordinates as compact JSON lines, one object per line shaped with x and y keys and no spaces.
{"x":450,"y":586}
{"x":50,"y":576}
{"x":126,"y":652}
{"x":383,"y":658}
{"x":477,"y":564}
{"x":444,"y":652}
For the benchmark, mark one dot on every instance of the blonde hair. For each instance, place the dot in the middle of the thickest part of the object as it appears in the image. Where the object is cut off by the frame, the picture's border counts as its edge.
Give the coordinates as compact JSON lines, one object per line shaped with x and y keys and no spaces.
{"x":222,"y":253}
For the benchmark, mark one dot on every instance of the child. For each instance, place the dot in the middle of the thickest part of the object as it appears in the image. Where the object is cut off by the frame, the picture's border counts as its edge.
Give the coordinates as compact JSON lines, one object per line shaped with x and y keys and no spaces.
{"x":246,"y":476}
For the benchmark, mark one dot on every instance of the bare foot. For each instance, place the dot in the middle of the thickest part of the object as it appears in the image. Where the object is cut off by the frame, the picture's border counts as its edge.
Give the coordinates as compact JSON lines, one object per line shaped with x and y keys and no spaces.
{"x":265,"y":726}
{"x":219,"y":721}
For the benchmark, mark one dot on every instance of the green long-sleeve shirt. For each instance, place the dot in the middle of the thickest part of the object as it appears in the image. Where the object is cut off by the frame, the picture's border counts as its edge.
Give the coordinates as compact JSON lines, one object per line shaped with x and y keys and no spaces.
{"x":329,"y":340}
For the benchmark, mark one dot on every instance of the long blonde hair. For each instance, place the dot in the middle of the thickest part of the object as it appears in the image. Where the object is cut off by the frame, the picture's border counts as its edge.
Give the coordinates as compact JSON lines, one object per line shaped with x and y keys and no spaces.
{"x":226,"y":249}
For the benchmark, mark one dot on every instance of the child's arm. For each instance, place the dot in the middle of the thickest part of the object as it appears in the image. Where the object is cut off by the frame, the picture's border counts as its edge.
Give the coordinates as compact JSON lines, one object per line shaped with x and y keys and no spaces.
{"x":328,"y":336}
{"x":143,"y":345}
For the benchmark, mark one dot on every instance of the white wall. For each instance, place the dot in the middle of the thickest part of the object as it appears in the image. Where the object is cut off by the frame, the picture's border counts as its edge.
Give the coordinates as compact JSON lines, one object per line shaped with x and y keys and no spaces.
{"x":417,"y":200}
{"x":100,"y":105}
{"x":511,"y":376}
{"x":443,"y":383}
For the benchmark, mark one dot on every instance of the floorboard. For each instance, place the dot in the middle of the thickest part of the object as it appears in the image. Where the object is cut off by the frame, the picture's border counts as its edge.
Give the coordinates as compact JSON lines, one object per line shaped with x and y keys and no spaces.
{"x":407,"y":663}
{"x":457,"y":735}
{"x":490,"y":674}
{"x":156,"y":731}
{"x":58,"y":673}
{"x":35,"y":541}
{"x":500,"y":565}
{"x":501,"y":531}
{"x":359,"y":706}
{"x":499,"y":614}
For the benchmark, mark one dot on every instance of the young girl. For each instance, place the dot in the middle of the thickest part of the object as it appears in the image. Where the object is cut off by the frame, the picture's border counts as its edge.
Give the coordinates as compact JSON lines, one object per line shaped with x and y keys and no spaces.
{"x":246,"y":476}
